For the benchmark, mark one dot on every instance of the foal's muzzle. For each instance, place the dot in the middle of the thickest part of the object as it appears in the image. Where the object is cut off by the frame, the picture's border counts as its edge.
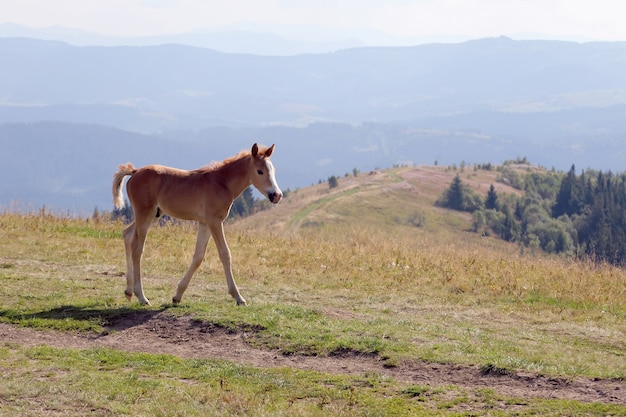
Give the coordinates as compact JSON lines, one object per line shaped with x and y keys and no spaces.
{"x":274,"y":197}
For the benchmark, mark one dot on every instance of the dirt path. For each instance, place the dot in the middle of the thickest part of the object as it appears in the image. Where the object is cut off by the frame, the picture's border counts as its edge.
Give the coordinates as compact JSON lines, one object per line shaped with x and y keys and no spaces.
{"x":161,"y":332}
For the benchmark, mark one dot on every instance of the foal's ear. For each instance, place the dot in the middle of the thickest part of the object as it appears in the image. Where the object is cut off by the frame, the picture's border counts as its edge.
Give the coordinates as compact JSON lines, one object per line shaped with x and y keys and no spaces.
{"x":269,"y":151}
{"x":255,"y":150}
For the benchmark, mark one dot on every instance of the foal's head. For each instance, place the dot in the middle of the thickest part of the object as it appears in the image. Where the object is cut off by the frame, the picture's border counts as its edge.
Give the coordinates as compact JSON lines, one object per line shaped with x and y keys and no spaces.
{"x":263,"y":173}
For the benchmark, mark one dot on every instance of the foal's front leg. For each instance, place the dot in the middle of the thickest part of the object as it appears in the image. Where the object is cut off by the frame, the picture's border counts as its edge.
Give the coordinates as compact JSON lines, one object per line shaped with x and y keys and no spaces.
{"x":204,"y":233}
{"x":222,"y":249}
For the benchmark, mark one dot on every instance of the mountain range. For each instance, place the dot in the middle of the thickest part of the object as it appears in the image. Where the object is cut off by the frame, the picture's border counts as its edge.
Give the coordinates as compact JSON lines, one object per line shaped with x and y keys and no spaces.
{"x":91,"y":107}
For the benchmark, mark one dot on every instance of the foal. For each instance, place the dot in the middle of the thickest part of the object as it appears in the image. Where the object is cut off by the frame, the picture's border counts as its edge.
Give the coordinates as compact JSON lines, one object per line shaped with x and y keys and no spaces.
{"x":205,"y":195}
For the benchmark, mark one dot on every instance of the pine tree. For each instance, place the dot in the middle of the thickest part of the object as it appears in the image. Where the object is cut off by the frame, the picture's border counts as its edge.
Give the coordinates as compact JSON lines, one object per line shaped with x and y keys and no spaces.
{"x":454,"y":195}
{"x":125,"y":213}
{"x":571,"y":197}
{"x":491,"y":202}
{"x":243,"y":205}
{"x":460,"y":197}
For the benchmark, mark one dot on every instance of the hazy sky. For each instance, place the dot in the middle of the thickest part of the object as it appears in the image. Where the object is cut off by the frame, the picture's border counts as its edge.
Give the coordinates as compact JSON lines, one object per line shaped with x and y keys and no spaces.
{"x":591,"y":19}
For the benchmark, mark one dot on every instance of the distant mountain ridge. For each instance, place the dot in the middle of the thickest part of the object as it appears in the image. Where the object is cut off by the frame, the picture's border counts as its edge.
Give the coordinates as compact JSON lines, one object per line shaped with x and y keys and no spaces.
{"x":228,"y":40}
{"x":175,"y":83}
{"x":557,"y":103}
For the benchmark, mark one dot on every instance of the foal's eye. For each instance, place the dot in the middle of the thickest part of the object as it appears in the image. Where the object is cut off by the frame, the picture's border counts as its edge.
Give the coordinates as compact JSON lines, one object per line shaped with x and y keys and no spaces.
{"x":259,"y":172}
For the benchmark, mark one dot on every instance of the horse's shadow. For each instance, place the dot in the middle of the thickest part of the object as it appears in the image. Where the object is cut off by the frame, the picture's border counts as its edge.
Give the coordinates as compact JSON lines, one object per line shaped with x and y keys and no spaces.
{"x":115,"y":319}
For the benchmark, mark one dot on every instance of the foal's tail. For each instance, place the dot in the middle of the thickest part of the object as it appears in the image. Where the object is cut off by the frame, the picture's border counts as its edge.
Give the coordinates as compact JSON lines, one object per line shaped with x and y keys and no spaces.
{"x":118,"y":177}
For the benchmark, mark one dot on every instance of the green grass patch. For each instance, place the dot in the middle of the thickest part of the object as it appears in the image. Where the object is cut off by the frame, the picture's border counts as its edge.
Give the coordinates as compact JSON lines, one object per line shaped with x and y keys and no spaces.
{"x":104,"y":382}
{"x":90,"y":231}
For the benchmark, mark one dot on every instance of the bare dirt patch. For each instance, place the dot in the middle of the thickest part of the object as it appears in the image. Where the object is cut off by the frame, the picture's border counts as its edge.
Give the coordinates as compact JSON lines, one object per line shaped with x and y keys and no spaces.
{"x":164,"y":333}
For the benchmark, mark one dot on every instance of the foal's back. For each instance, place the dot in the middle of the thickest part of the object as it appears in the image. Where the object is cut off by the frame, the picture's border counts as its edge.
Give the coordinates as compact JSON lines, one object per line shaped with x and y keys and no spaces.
{"x":177,"y":192}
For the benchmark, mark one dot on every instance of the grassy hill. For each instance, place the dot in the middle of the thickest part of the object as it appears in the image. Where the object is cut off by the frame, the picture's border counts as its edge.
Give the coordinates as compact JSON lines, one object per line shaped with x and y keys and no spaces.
{"x":368,"y":271}
{"x":398,"y":201}
{"x":390,"y":216}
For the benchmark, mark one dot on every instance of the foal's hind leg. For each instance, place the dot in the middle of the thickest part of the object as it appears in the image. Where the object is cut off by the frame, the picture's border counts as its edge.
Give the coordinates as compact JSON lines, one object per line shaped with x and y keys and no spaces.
{"x":128,"y":234}
{"x":137,"y":242}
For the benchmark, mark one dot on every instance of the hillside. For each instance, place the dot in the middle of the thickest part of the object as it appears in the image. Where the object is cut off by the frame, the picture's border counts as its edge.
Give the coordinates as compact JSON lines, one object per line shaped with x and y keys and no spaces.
{"x":398,"y":201}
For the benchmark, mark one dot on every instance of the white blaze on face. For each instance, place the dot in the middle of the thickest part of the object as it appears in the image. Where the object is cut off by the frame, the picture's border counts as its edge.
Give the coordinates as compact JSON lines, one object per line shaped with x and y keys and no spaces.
{"x":273,"y":193}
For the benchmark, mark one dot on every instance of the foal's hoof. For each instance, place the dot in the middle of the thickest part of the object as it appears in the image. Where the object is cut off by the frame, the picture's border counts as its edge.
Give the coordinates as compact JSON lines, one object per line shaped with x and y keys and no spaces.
{"x":242,"y":302}
{"x":175,"y":301}
{"x":128,"y":295}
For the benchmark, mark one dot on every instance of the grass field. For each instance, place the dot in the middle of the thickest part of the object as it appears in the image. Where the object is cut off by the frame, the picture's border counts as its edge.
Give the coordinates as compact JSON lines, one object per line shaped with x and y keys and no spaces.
{"x":346,"y":273}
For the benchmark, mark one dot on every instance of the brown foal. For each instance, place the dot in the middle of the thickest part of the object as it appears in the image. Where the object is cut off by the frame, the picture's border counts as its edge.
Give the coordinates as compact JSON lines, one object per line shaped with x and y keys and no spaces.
{"x":204,"y":195}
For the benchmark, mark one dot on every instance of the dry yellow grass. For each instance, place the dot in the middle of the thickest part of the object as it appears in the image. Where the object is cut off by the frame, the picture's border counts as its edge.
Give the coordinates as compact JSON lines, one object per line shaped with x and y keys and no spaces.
{"x":362,"y":233}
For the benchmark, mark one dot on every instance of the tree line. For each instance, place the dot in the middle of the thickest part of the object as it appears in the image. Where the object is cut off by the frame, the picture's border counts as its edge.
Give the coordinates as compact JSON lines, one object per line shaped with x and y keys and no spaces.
{"x":581,"y":215}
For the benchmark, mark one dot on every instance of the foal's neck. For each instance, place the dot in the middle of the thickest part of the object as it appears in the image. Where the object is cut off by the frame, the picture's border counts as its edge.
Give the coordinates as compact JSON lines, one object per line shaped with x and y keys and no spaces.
{"x":235,"y":175}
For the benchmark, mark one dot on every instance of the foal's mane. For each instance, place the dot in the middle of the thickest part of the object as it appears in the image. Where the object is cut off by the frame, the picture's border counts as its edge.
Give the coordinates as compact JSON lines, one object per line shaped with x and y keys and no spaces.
{"x":214,"y":165}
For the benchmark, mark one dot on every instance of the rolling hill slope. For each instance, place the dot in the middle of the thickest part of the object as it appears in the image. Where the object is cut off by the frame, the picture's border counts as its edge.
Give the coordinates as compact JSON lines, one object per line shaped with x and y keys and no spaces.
{"x":394,"y":202}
